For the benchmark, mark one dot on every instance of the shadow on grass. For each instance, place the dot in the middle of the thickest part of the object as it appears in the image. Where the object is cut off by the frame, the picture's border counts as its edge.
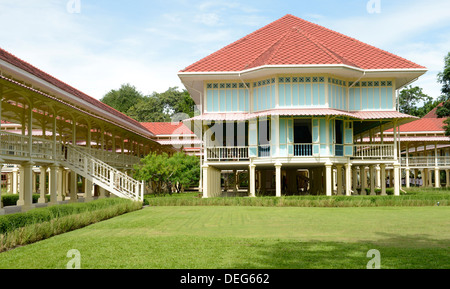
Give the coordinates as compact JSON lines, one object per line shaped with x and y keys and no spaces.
{"x":396,"y":252}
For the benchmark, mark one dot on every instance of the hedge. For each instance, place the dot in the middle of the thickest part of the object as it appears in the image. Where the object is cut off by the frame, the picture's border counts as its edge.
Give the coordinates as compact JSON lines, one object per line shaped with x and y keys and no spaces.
{"x":11,"y":222}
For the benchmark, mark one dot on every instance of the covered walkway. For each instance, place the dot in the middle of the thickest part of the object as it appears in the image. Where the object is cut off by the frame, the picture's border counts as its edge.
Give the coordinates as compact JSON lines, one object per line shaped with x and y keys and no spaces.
{"x":57,"y":136}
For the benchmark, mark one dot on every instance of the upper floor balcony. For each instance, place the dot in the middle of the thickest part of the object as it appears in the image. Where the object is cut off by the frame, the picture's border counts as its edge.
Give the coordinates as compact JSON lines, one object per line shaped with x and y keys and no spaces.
{"x":355,"y":152}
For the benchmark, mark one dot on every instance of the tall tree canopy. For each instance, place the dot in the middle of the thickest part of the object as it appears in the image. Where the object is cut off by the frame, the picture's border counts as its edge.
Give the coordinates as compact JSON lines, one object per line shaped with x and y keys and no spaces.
{"x":444,"y":79}
{"x":410,"y":97}
{"x":123,"y":98}
{"x":157,"y":107}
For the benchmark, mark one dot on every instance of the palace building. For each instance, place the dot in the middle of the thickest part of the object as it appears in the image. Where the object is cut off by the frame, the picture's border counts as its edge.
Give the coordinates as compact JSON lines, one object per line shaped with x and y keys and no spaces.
{"x":302,"y":109}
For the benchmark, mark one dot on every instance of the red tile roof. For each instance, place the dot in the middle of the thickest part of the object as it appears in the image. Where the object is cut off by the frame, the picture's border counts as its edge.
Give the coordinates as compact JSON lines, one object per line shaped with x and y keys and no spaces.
{"x":167,"y":128}
{"x":429,"y":123}
{"x":19,"y":63}
{"x":294,"y":41}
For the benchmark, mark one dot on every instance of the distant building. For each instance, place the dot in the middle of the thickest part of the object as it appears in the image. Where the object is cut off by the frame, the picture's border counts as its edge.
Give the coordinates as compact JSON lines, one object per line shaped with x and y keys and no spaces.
{"x":175,"y":135}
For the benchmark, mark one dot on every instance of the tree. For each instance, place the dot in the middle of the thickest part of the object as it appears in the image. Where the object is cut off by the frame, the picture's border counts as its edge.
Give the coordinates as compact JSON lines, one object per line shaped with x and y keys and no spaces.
{"x":186,"y":171}
{"x":123,"y":98}
{"x":161,"y":107}
{"x":444,"y":79}
{"x":410,"y":97}
{"x":165,"y":173}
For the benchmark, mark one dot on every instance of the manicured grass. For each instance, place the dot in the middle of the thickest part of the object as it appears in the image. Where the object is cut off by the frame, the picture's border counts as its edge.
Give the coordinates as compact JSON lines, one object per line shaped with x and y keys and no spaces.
{"x":251,"y":237}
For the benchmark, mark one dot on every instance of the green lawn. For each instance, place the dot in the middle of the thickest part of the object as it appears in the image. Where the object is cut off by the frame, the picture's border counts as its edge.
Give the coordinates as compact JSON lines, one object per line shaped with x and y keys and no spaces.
{"x":216,"y":237}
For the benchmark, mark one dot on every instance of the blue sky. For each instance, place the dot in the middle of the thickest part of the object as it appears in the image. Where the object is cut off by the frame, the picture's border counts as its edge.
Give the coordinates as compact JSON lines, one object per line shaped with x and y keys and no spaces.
{"x":145,"y":43}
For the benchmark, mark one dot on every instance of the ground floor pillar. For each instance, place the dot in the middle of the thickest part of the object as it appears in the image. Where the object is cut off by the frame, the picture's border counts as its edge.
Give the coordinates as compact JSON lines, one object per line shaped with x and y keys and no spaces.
{"x":329,"y":179}
{"x":61,"y":185}
{"x":407,"y":177}
{"x":447,"y":178}
{"x":53,"y":184}
{"x":27,"y":195}
{"x":339,"y":179}
{"x":278,"y":179}
{"x":378,"y":179}
{"x":363,"y":180}
{"x":372,"y":179}
{"x":437,"y":178}
{"x":73,"y":191}
{"x":2,"y":211}
{"x":42,"y":185}
{"x":348,"y":179}
{"x":396,"y":180}
{"x":383,"y":179}
{"x":355,"y":180}
{"x":15,"y":180}
{"x":88,"y":190}
{"x":252,"y":180}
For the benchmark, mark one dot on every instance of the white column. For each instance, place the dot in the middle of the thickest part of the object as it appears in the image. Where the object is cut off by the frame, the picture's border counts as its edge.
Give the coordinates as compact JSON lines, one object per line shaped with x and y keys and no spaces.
{"x":205,"y":181}
{"x":378,"y":179}
{"x":102,"y":193}
{"x":372,"y":180}
{"x":339,"y":179}
{"x":88,"y":190}
{"x":252,"y":180}
{"x":42,"y":184}
{"x":407,"y":171}
{"x":73,"y":187}
{"x":447,"y":177}
{"x":60,"y":186}
{"x":53,"y":184}
{"x":348,"y":179}
{"x":437,"y":178}
{"x":28,"y":187}
{"x":397,"y":182}
{"x":278,"y":179}
{"x":363,"y":180}
{"x":15,"y":180}
{"x":328,"y":178}
{"x":355,"y":180}
{"x":383,"y":179}
{"x":21,"y":178}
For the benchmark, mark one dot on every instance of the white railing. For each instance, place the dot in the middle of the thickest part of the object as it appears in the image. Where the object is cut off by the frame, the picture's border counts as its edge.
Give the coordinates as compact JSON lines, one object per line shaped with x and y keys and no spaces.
{"x":103,"y":174}
{"x":368,"y":151}
{"x":227,"y":153}
{"x":303,"y":150}
{"x":425,"y":161}
{"x":111,"y":158}
{"x":17,"y":145}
